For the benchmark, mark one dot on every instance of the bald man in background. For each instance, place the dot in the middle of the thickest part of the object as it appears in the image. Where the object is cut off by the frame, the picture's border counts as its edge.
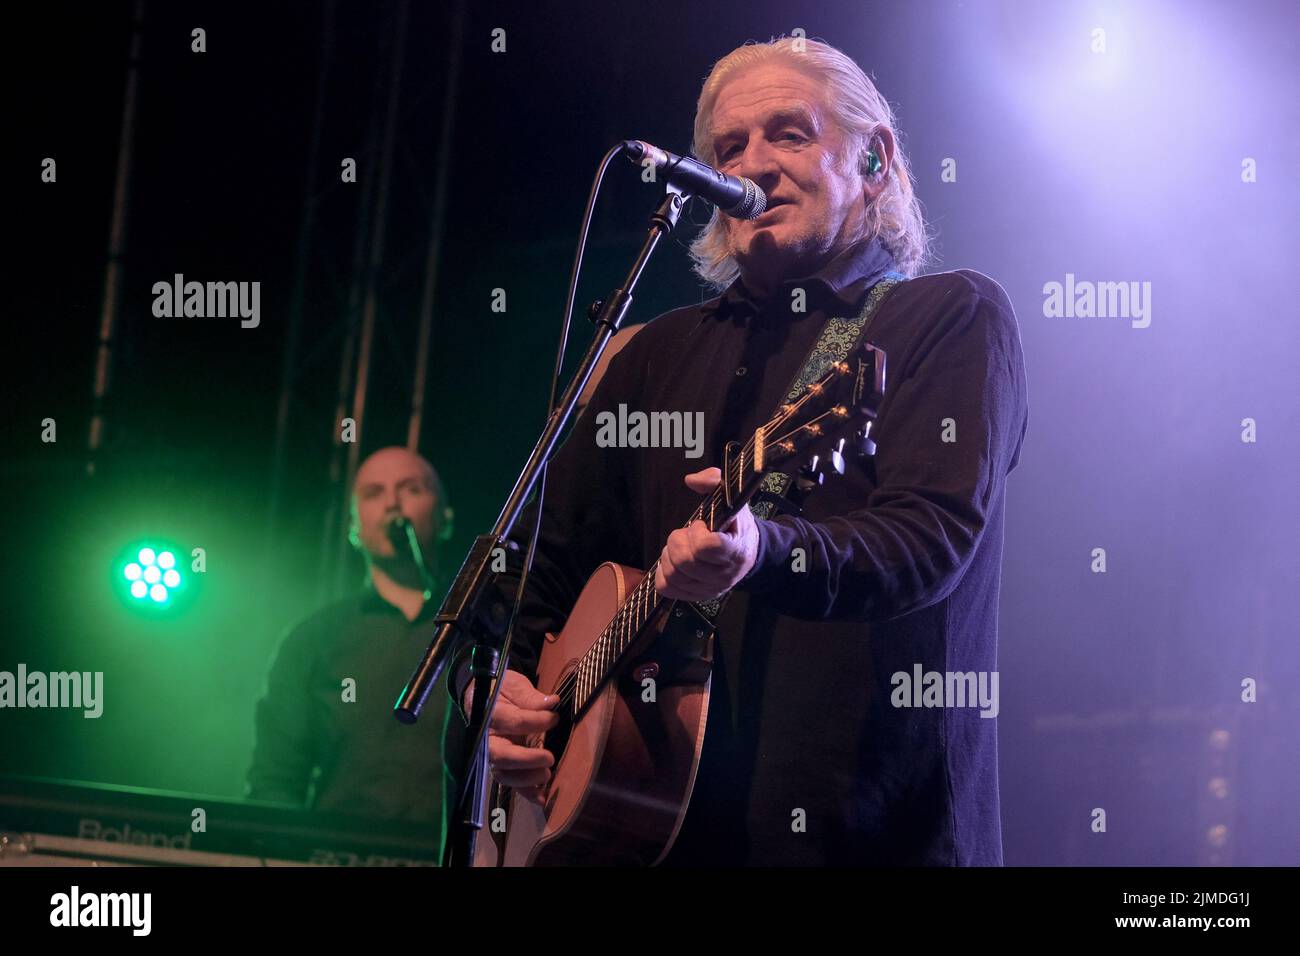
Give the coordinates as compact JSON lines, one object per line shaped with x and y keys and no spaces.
{"x":326,"y":737}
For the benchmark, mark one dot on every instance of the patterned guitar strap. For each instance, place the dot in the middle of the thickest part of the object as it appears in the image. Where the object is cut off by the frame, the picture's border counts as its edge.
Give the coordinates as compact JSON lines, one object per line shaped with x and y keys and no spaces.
{"x":837,"y":339}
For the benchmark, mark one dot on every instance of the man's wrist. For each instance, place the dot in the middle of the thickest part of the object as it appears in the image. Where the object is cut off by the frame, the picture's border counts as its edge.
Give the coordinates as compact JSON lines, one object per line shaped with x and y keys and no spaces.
{"x":761,"y":550}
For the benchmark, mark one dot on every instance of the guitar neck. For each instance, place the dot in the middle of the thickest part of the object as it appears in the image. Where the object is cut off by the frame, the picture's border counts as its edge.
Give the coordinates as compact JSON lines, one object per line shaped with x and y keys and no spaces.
{"x":642,"y":605}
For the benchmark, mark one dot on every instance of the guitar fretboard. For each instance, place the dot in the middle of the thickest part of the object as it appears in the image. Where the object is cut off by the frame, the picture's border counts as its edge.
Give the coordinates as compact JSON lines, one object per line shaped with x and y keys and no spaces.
{"x":606,"y":654}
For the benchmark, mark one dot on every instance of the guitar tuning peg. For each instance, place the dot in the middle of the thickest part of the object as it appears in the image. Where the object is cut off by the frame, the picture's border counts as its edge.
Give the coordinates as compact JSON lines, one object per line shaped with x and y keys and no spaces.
{"x":837,"y":457}
{"x":810,"y":475}
{"x":863,"y":446}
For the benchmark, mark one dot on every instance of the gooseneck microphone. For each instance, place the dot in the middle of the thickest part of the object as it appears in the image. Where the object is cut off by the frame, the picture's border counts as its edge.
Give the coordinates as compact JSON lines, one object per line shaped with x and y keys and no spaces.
{"x":736,"y":196}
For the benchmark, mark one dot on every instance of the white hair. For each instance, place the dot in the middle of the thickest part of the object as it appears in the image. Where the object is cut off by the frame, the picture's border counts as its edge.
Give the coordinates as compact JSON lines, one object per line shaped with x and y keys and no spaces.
{"x":860,"y":111}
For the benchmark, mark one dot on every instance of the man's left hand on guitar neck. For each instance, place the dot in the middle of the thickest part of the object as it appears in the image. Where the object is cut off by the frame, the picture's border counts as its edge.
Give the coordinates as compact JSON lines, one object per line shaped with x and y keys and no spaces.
{"x":698,"y":564}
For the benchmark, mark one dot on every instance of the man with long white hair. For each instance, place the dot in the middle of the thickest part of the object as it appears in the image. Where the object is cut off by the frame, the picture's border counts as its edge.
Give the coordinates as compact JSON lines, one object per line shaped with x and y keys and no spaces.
{"x":832,"y":735}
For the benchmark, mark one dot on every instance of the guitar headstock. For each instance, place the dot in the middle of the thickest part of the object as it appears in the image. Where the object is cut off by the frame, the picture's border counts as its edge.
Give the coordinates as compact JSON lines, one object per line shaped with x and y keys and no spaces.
{"x":814,"y":432}
{"x":844,"y":401}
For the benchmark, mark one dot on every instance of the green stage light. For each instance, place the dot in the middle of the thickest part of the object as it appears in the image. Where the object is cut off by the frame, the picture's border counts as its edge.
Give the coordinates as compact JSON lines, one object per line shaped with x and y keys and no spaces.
{"x":151,"y":576}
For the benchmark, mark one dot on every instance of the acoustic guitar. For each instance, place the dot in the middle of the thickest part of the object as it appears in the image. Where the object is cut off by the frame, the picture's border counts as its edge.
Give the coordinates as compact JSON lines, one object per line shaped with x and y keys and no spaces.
{"x":632,"y":669}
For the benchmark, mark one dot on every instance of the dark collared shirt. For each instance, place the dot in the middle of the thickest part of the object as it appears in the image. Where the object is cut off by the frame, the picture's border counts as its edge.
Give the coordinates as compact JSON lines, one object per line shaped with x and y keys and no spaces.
{"x":315,"y":748}
{"x":806,"y":761}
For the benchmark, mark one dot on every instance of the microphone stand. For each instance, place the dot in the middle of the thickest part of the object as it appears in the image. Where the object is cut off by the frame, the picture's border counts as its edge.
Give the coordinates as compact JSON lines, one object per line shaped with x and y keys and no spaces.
{"x":462,"y":617}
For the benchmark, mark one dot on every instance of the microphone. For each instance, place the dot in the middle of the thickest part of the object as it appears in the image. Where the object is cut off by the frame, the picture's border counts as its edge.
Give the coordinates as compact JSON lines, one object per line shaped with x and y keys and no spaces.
{"x":402,"y":534}
{"x":736,"y":196}
{"x":396,"y":528}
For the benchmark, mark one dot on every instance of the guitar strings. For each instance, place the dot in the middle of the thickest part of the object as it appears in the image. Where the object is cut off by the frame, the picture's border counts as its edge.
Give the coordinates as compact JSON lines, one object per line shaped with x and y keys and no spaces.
{"x":581,"y":676}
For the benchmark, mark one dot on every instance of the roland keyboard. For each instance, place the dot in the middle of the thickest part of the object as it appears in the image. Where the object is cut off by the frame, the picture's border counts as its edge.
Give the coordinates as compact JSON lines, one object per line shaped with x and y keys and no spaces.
{"x":68,"y":823}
